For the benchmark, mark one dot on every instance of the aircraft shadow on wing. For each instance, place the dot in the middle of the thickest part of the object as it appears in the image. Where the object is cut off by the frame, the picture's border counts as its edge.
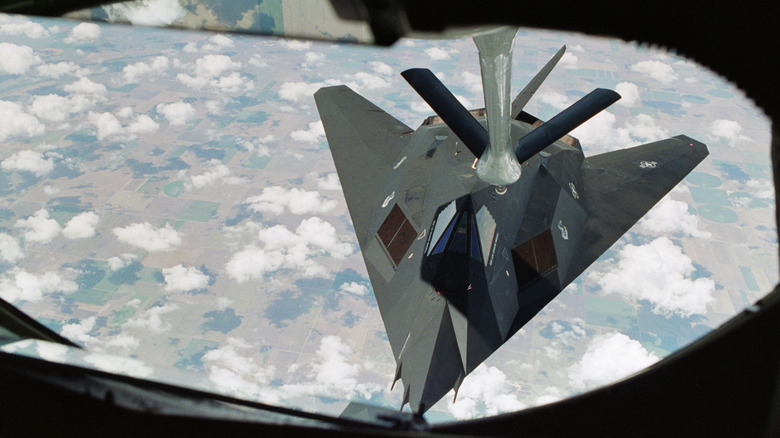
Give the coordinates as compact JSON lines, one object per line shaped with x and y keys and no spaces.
{"x":457,"y":263}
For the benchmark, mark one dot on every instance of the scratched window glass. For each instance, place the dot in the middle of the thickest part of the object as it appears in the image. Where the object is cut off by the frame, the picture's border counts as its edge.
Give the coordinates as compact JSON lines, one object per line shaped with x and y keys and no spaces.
{"x":170,"y":198}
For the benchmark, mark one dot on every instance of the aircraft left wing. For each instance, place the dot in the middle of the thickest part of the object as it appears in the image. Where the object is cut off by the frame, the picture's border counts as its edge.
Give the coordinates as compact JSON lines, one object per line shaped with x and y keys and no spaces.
{"x":366,"y":143}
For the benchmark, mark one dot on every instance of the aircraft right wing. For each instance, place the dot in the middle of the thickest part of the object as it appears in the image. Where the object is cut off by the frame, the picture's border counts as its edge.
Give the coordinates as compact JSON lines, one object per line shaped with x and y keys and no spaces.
{"x":366,"y":143}
{"x":622,"y":186}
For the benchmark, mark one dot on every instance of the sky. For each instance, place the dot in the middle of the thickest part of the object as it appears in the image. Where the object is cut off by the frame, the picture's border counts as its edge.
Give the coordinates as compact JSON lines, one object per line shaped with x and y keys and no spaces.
{"x":168,"y":200}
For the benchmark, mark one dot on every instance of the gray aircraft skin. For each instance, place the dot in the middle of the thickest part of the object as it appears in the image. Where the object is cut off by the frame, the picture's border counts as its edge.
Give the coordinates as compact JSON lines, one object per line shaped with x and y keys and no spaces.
{"x":459,"y":265}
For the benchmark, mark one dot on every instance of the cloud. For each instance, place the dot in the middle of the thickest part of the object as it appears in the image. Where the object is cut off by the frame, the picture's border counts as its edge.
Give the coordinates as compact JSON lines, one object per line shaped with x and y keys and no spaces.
{"x":629,"y":94}
{"x":568,"y":60}
{"x":440,"y":54}
{"x":177,"y":113}
{"x":472,"y":82}
{"x":10,"y":250}
{"x":181,"y":279}
{"x":16,"y":284}
{"x":367,"y":81}
{"x":56,"y":108}
{"x":134,"y":72}
{"x":294,"y":91}
{"x":28,"y":161}
{"x":332,"y":374}
{"x":660,"y":273}
{"x":14,"y":122}
{"x":218,"y":42}
{"x":10,"y":25}
{"x":146,"y":12}
{"x":152,"y":320}
{"x":282,"y":249}
{"x":275,"y":199}
{"x":59,"y":69}
{"x":118,"y":262}
{"x":16,"y":60}
{"x":728,"y":130}
{"x":329,"y":181}
{"x":558,"y":101}
{"x":660,"y":71}
{"x":83,"y":33}
{"x":234,"y":371}
{"x":109,"y":126}
{"x":485,"y":391}
{"x":81,"y":226}
{"x":85,"y":86}
{"x":314,"y":134}
{"x":296,"y":45}
{"x":354,"y":288}
{"x":39,"y":228}
{"x":608,"y":358}
{"x":381,"y":68}
{"x":143,"y":235}
{"x":599,"y":134}
{"x":672,"y":217}
{"x":219,"y":173}
{"x":217,"y":72}
{"x":762,"y":189}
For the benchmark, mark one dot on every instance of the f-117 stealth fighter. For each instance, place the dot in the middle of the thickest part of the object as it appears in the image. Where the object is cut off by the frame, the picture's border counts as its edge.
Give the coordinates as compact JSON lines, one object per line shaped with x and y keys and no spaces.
{"x":472,"y":223}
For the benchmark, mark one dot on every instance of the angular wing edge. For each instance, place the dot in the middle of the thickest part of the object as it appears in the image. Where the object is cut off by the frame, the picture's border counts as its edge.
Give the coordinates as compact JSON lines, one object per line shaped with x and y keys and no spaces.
{"x":622,"y":186}
{"x":366,"y":143}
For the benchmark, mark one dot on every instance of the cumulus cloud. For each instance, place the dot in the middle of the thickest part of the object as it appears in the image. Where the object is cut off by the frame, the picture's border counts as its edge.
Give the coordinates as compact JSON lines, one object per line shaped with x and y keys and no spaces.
{"x":275,"y":199}
{"x":29,"y":161}
{"x":217,"y":174}
{"x":599,"y":134}
{"x":16,"y":60}
{"x":218,"y":42}
{"x":568,"y":60}
{"x":143,"y":235}
{"x":10,"y":25}
{"x":109,"y":126}
{"x":86,"y":86}
{"x":56,"y":108}
{"x":181,"y":279}
{"x":381,"y":68}
{"x":81,"y":226}
{"x":366,"y":81}
{"x":119,"y":365}
{"x":329,"y":181}
{"x":558,"y":101}
{"x":152,"y":320}
{"x":672,"y":217}
{"x":234,"y":371}
{"x":14,"y":122}
{"x":660,"y":71}
{"x":17,"y":284}
{"x":485,"y":391}
{"x":660,"y":273}
{"x":118,"y":262}
{"x":146,"y":12}
{"x":83,"y":33}
{"x":136,"y":71}
{"x":728,"y":130}
{"x":354,"y":288}
{"x":333,"y":374}
{"x":314,"y":134}
{"x":218,"y":73}
{"x":177,"y":113}
{"x":10,"y":250}
{"x":608,"y":358}
{"x":629,"y":94}
{"x":294,"y":91}
{"x":440,"y":54}
{"x":59,"y":69}
{"x":39,"y":228}
{"x":282,"y":249}
{"x":296,"y":45}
